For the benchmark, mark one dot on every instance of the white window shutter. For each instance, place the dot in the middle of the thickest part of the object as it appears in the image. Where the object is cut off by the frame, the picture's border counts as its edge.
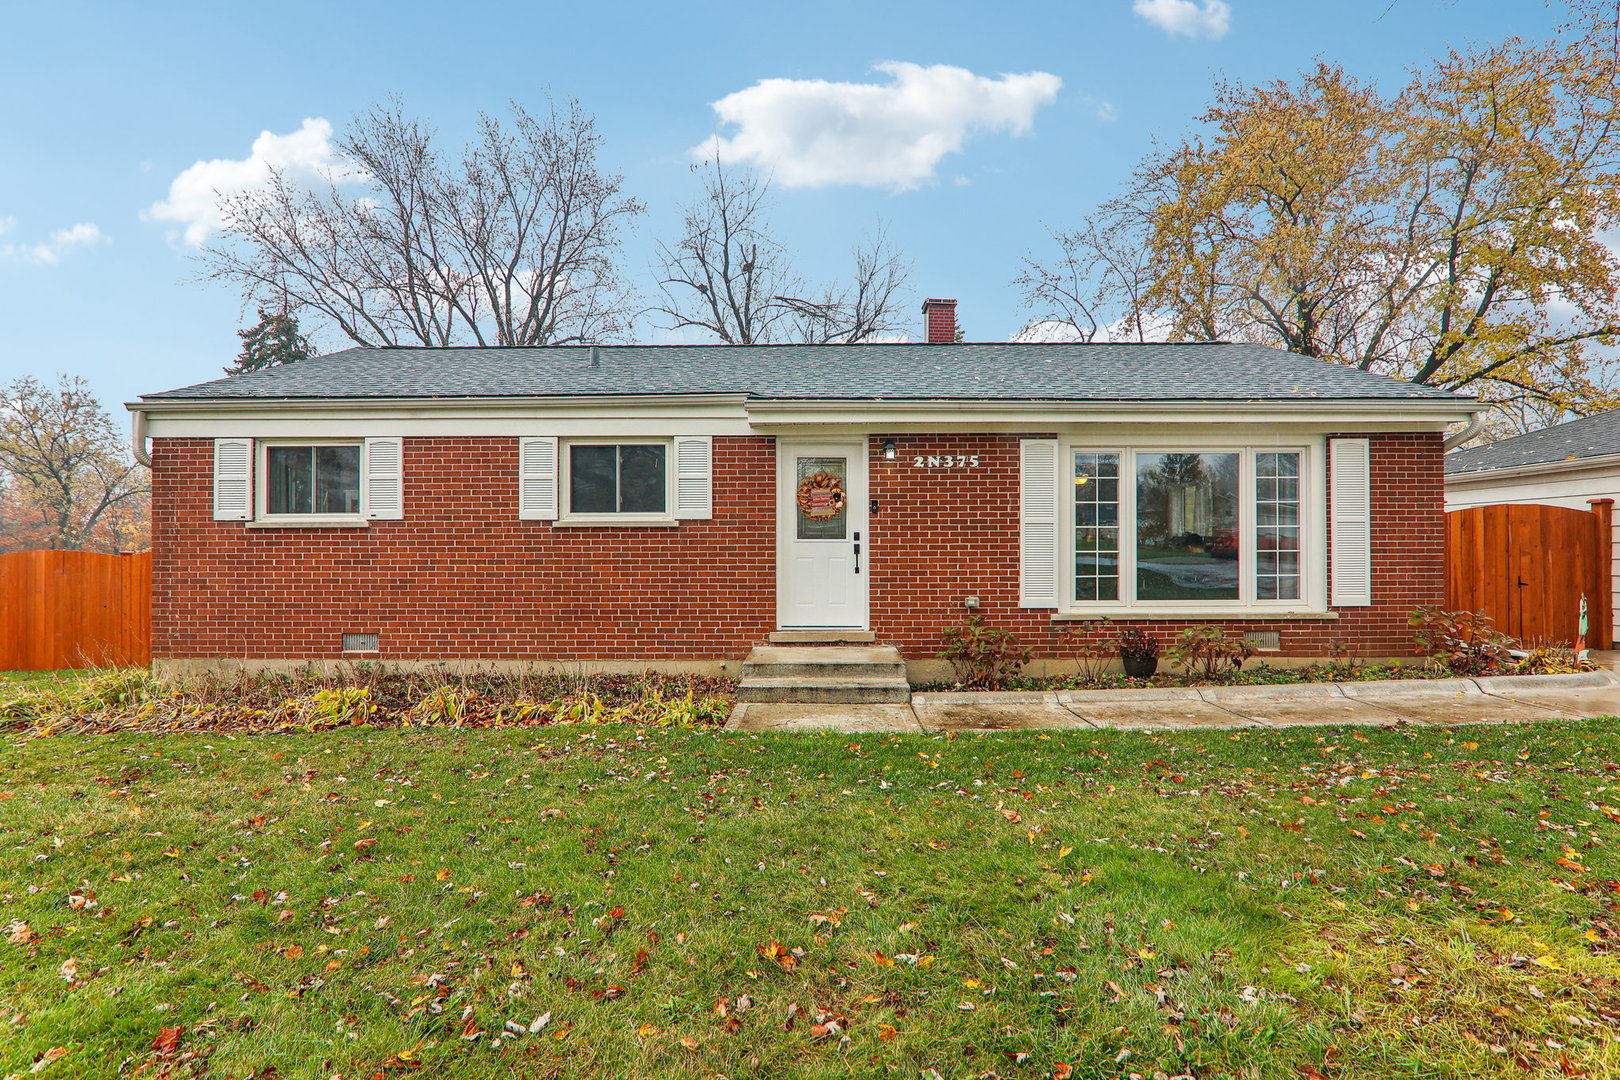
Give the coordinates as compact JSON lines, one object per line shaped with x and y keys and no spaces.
{"x":537,"y":478}
{"x":694,"y":485}
{"x":1350,"y":487}
{"x":1038,"y":523}
{"x":385,"y":479}
{"x":233,"y":479}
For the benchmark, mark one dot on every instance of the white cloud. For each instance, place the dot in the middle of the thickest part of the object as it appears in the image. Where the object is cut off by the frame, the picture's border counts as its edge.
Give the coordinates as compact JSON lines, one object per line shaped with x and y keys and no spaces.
{"x":49,"y":251}
{"x":1154,"y":328}
{"x":1187,"y":18}
{"x":1044,"y":331}
{"x":303,"y":156}
{"x":814,"y":133}
{"x":1103,"y":110}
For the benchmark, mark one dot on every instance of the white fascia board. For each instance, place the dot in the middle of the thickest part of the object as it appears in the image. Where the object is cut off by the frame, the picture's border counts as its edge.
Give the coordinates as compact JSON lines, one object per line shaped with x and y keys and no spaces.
{"x":668,"y":415}
{"x":734,"y":414}
{"x":990,"y":416}
{"x":1566,"y":466}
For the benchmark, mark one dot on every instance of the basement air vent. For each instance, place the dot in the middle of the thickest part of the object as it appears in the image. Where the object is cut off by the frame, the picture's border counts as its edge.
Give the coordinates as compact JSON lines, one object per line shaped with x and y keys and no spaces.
{"x":359,"y":642}
{"x":1264,"y":640}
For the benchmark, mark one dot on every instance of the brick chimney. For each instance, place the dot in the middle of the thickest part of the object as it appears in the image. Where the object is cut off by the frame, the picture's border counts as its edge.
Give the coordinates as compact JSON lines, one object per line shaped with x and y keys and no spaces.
{"x":939,"y":322}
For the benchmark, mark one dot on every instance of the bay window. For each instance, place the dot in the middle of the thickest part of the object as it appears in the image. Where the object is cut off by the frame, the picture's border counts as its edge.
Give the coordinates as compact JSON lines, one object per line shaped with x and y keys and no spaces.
{"x":1163,"y":528}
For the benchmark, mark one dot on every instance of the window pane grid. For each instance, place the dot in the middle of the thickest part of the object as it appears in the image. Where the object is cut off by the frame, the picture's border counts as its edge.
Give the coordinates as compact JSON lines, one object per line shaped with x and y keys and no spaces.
{"x":1096,"y":526}
{"x":1277,"y":526}
{"x":1183,"y":532}
{"x":312,"y":480}
{"x":617,"y":478}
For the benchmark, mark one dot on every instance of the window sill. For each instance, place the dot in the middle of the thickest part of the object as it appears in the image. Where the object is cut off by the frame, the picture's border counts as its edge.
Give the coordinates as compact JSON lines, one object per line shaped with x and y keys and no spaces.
{"x":310,"y":523}
{"x":616,"y":521}
{"x":1230,"y":615}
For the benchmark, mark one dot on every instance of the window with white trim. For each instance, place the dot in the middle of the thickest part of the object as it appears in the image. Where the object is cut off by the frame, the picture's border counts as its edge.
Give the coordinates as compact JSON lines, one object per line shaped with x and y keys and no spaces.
{"x":622,"y":480}
{"x":1219,"y":528}
{"x":309,"y":480}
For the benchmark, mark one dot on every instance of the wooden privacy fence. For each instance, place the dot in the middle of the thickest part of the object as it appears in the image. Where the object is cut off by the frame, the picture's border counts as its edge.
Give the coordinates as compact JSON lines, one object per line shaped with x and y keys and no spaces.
{"x":75,"y":609}
{"x":1529,"y":566}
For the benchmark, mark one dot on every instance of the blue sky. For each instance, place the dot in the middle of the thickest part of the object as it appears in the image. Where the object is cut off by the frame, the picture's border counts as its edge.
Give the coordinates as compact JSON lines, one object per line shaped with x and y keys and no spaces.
{"x":104,"y":105}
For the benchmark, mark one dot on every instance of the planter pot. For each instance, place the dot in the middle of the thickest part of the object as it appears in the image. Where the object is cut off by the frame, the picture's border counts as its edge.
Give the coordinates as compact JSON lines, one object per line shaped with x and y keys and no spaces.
{"x":1140,"y":667}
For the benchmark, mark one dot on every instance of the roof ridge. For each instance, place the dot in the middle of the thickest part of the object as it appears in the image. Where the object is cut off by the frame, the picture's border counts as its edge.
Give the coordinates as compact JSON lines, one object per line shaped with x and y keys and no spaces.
{"x":815,"y":345}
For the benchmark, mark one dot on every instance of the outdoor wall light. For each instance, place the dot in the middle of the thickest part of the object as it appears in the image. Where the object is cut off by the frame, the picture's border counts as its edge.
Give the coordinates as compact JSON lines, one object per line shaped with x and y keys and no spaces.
{"x":971,"y":603}
{"x":888,"y":449}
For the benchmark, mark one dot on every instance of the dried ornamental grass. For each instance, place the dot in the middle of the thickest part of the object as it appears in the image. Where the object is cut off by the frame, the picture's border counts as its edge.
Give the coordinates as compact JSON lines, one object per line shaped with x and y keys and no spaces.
{"x":131,"y":700}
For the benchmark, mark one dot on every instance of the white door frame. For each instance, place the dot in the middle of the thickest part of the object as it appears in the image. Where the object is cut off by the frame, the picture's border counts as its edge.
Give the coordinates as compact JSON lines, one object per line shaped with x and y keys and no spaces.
{"x":788,"y":450}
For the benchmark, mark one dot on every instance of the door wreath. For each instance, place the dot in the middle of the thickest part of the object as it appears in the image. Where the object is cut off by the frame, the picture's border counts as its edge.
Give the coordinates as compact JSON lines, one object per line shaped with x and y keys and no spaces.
{"x":821,"y":496}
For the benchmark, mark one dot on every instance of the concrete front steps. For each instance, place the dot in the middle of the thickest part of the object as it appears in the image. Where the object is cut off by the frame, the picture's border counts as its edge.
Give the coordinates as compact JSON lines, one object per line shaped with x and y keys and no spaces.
{"x":824,"y":674}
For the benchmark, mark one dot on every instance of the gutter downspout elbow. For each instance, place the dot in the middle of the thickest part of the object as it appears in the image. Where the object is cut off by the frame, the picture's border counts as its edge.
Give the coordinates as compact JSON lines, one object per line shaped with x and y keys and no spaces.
{"x":137,"y":437}
{"x":1475,"y":422}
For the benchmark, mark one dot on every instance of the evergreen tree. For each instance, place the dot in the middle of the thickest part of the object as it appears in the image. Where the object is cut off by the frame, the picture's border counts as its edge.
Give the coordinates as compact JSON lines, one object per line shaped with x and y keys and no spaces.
{"x":276,"y":340}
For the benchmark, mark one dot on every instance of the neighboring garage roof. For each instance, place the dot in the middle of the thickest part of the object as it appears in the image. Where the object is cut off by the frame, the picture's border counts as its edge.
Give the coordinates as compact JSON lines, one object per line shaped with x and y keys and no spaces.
{"x":905,"y":372}
{"x":1589,"y":437}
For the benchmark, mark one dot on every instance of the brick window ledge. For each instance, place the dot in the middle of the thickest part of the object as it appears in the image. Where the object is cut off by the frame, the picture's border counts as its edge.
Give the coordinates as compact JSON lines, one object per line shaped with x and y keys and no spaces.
{"x":312,"y":523}
{"x":1239,"y":615}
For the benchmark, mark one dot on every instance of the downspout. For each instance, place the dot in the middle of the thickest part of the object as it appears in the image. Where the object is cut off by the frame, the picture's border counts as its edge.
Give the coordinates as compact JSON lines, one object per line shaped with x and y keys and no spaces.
{"x":137,"y":437}
{"x":1475,"y":422}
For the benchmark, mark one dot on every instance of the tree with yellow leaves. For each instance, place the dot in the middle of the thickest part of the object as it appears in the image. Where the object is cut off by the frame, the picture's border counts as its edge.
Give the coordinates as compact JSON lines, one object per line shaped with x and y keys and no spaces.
{"x":1450,"y":234}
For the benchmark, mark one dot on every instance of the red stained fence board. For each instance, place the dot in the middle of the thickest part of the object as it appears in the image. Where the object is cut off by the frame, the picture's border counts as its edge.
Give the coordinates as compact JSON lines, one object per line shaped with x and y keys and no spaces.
{"x":75,"y":609}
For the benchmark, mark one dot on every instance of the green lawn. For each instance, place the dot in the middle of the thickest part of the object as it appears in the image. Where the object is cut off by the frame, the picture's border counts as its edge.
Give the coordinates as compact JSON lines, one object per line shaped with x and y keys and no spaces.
{"x":364,"y":903}
{"x":23,"y":681}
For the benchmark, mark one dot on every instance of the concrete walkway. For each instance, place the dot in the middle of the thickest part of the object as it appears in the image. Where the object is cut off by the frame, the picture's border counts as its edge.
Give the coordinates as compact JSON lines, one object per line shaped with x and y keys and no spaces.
{"x":1428,"y":702}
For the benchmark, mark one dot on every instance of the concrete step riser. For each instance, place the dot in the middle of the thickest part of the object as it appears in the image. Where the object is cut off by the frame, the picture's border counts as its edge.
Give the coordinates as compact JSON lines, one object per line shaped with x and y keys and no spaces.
{"x":819,"y":671}
{"x":824,"y":695}
{"x":868,"y":675}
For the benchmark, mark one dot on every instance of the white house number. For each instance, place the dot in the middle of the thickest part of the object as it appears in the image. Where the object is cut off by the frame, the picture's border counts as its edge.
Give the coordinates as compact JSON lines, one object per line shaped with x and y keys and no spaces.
{"x":945,"y":461}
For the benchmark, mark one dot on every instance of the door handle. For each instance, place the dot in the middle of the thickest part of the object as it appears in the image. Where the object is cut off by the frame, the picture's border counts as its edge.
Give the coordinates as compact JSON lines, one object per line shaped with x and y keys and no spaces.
{"x":857,"y":552}
{"x":1523,"y":583}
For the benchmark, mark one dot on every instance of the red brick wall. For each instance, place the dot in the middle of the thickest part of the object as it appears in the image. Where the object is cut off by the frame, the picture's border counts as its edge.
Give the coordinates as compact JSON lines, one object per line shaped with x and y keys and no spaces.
{"x":462,"y":576}
{"x":939,"y":322}
{"x":942,"y":534}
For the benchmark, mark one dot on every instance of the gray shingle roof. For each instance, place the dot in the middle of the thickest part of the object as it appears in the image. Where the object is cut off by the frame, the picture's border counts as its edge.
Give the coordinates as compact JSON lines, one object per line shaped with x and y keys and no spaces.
{"x":1588,"y":437}
{"x":973,"y":372}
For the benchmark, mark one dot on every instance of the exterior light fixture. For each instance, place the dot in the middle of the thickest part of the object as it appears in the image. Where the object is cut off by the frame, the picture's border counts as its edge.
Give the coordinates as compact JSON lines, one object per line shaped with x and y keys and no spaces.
{"x":971,"y":603}
{"x":888,"y":449}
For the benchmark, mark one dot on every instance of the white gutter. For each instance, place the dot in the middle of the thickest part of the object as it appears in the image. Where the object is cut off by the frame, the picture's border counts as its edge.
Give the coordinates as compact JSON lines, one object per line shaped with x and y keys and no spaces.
{"x":521,"y":405}
{"x":137,"y":437}
{"x":1475,"y":422}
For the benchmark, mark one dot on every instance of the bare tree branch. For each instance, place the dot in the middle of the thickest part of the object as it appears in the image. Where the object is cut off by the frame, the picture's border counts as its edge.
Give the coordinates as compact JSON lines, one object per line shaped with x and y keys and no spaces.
{"x":728,"y":277}
{"x":513,"y":243}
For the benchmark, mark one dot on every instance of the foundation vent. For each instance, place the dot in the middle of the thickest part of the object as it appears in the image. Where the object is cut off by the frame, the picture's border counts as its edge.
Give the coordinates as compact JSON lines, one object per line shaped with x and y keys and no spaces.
{"x":1264,"y":640}
{"x":359,"y":642}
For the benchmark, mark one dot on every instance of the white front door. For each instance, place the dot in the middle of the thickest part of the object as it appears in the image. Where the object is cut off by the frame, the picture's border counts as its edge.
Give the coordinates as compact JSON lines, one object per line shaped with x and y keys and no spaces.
{"x":821,"y":546}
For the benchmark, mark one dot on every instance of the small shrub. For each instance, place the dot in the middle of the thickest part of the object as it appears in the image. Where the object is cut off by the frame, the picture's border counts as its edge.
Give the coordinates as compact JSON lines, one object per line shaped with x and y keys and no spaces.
{"x":983,"y":657}
{"x":1134,"y":644}
{"x":1207,"y":653}
{"x":1467,"y":642}
{"x":1091,"y":660}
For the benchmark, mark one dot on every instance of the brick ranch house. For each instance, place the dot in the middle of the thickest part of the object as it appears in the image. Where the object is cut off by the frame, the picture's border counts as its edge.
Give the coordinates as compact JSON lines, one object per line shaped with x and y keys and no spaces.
{"x":673,"y":506}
